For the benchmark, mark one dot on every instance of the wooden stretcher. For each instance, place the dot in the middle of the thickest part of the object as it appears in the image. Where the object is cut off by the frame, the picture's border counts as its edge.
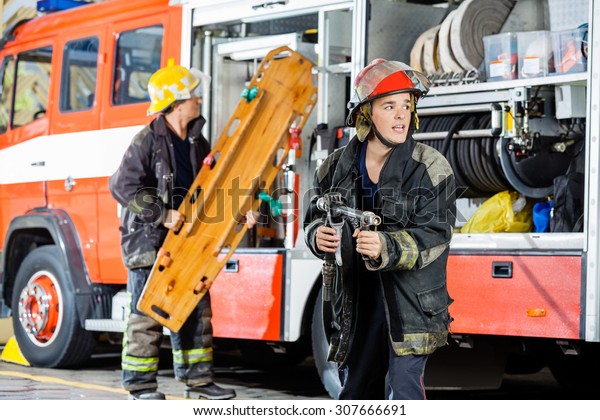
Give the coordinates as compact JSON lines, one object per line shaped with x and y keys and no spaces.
{"x":243,"y":163}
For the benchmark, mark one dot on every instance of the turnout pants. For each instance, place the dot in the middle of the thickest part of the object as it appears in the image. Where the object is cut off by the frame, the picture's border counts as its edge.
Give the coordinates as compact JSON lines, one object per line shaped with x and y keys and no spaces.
{"x":191,"y":346}
{"x":373,"y":370}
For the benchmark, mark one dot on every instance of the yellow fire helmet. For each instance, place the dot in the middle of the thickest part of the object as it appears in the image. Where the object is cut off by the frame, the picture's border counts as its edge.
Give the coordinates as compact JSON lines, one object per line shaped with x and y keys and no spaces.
{"x":173,"y":83}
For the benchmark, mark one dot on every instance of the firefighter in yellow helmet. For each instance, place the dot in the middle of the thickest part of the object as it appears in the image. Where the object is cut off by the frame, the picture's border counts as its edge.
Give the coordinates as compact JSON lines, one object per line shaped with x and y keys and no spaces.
{"x":157,"y":169}
{"x":389,"y":302}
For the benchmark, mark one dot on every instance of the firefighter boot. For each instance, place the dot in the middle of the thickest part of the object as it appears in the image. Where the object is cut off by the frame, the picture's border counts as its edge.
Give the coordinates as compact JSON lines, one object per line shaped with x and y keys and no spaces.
{"x":146,"y":394}
{"x":209,"y":392}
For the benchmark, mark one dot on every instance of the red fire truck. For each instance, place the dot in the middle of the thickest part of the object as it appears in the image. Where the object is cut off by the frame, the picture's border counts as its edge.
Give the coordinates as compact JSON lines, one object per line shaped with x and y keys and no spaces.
{"x":73,"y":94}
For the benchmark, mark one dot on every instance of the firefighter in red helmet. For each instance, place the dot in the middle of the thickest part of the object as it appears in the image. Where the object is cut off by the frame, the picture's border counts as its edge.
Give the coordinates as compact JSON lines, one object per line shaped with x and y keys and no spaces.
{"x":389,"y":302}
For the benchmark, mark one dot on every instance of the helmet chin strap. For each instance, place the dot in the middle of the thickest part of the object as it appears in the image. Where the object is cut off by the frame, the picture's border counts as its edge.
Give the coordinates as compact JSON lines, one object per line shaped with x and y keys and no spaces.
{"x":414,"y":123}
{"x":385,"y":141}
{"x":382,"y":139}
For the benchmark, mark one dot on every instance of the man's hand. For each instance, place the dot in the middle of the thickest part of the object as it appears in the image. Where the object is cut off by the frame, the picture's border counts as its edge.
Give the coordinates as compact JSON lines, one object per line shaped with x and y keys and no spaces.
{"x":368,"y":243}
{"x":173,"y":220}
{"x":326,"y":239}
{"x":250,"y":219}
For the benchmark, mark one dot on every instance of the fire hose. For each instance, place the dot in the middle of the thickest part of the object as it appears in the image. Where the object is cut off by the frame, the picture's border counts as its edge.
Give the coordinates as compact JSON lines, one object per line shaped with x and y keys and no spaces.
{"x":337,"y":214}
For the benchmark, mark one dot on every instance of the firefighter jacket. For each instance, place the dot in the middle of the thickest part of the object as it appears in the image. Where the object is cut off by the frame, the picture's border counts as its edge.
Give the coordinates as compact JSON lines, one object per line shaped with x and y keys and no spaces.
{"x":416,"y":201}
{"x":143,"y":185}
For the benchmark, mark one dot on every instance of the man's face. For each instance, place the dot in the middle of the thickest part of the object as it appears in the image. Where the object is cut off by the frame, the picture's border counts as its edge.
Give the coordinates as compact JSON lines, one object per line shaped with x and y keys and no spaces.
{"x":391,"y":116}
{"x":190,"y":108}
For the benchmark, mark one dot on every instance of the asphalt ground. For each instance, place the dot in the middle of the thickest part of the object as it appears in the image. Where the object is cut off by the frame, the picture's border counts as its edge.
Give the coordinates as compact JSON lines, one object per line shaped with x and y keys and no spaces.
{"x":99,"y":379}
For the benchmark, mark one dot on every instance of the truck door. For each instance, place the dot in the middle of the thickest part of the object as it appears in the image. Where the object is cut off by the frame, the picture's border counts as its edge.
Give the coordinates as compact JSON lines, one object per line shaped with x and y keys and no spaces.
{"x":24,"y":101}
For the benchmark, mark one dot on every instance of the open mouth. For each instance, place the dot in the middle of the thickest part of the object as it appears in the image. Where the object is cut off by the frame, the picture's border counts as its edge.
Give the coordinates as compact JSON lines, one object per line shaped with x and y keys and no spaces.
{"x":400,"y":128}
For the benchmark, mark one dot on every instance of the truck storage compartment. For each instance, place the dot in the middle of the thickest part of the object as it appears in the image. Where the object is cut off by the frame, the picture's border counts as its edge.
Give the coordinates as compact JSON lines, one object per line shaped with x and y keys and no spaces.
{"x":249,"y":288}
{"x":516,"y":295}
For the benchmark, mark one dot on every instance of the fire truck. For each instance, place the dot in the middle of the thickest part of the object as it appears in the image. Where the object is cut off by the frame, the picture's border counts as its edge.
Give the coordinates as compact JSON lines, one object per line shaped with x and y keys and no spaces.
{"x":73,"y":95}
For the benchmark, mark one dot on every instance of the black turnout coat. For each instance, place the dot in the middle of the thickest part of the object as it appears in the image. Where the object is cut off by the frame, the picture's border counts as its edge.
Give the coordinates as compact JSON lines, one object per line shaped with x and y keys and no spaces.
{"x":143,"y":185}
{"x":416,"y":201}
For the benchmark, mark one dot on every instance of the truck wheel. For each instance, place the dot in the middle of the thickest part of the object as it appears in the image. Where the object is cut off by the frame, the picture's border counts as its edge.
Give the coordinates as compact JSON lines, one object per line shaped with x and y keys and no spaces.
{"x":578,"y":372}
{"x":328,"y":371}
{"x":525,"y":364}
{"x":45,"y":318}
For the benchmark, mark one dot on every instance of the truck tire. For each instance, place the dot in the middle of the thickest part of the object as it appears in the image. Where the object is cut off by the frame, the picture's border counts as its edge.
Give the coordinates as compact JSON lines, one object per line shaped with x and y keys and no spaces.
{"x":45,"y":318}
{"x":578,"y":372}
{"x":328,"y":371}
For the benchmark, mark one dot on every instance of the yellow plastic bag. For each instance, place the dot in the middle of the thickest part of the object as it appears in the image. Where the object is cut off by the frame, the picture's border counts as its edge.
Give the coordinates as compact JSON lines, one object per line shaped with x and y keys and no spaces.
{"x":506,"y":211}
